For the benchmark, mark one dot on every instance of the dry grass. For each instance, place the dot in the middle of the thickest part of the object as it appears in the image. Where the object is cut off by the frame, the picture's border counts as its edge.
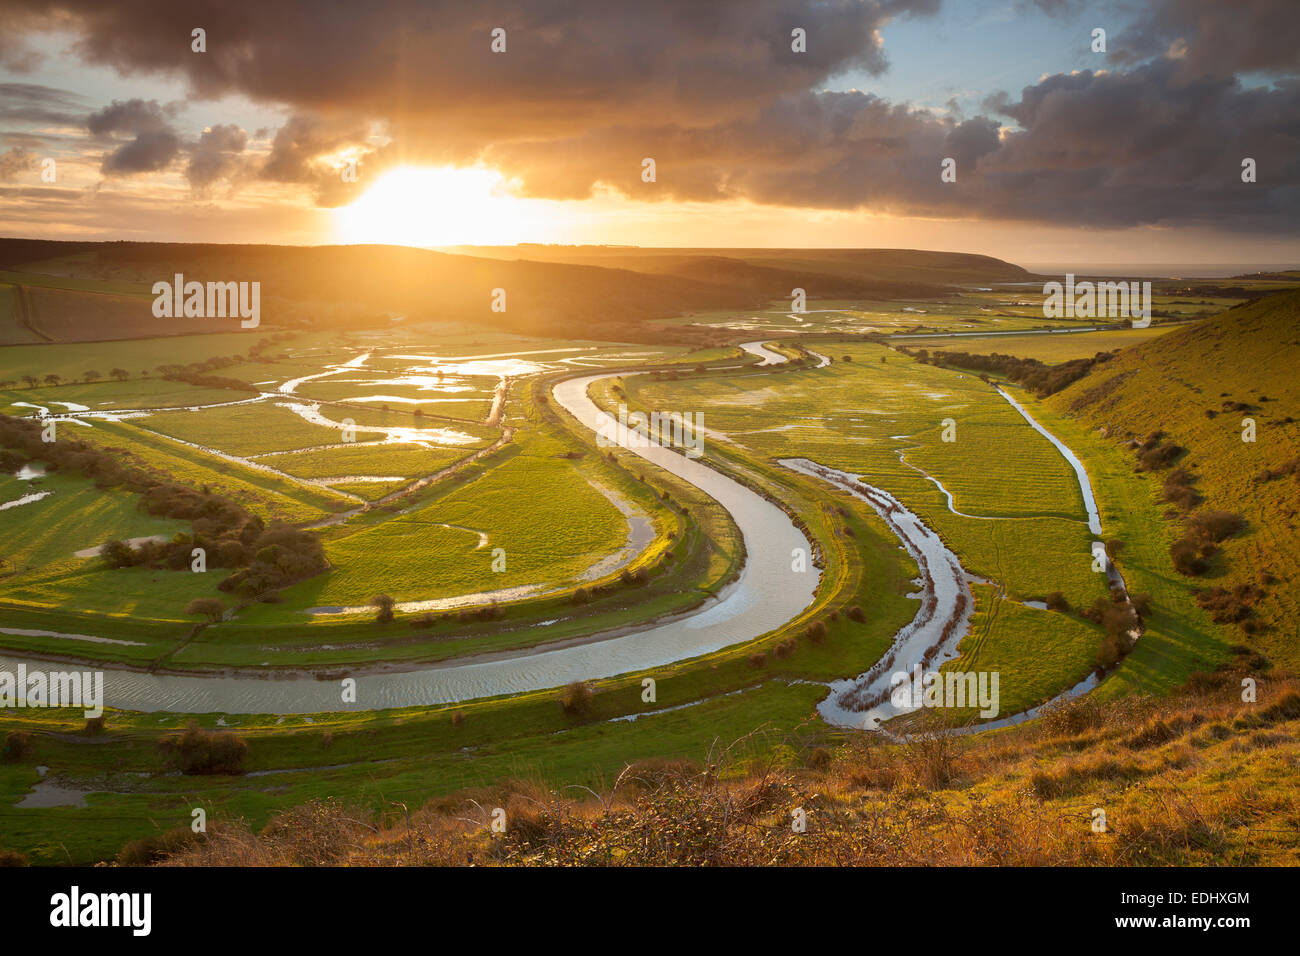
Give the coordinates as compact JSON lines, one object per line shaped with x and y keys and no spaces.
{"x":1201,"y":778}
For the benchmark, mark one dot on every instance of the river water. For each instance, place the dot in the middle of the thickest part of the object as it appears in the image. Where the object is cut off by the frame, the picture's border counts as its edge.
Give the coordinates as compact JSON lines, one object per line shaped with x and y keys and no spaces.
{"x":767,"y":594}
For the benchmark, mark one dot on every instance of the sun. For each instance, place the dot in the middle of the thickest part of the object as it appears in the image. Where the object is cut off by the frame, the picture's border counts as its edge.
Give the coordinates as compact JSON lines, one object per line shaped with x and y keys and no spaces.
{"x":435,"y":206}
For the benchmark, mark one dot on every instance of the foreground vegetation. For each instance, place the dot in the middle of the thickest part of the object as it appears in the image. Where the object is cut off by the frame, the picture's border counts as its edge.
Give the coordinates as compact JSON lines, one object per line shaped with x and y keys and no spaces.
{"x":1197,"y":779}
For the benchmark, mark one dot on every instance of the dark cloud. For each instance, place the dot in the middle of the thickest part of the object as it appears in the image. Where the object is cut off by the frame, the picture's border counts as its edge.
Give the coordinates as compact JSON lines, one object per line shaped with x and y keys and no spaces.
{"x":1215,"y":38}
{"x":154,"y":144}
{"x":1146,"y":146}
{"x":147,"y":153}
{"x":216,"y":155}
{"x":14,"y":161}
{"x":1086,"y":149}
{"x":128,"y":116}
{"x":567,"y":60}
{"x":312,"y":151}
{"x":713,"y":92}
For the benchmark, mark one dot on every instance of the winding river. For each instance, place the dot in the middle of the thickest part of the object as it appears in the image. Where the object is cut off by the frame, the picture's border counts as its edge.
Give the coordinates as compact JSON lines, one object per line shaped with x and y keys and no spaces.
{"x":766,"y":595}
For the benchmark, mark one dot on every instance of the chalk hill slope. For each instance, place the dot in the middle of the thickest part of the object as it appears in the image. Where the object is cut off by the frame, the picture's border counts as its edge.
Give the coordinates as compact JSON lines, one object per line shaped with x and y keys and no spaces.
{"x":1202,"y":387}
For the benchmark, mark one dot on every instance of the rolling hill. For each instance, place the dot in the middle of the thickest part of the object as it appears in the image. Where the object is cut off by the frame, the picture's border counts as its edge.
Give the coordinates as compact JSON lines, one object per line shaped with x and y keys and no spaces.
{"x":1186,"y":402}
{"x":826,"y":273}
{"x":357,"y":286}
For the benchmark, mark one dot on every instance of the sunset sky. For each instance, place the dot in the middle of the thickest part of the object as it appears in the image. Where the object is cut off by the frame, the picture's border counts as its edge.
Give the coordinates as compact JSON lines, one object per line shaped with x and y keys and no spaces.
{"x":1065,"y":156}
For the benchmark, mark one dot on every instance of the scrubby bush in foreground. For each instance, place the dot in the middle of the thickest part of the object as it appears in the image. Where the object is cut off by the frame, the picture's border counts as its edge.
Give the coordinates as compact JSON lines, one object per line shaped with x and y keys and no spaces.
{"x":199,"y":751}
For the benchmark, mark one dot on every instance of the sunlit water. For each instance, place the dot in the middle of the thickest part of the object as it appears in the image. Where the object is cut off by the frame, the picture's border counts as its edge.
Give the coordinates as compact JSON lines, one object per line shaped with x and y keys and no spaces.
{"x":767,"y":594}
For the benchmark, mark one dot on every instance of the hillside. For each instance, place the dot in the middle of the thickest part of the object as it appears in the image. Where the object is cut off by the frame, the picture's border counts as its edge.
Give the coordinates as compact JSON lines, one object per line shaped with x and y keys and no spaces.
{"x":1168,"y":774}
{"x":1183,"y":402}
{"x":356,"y":286}
{"x":79,"y":291}
{"x":871,"y":270}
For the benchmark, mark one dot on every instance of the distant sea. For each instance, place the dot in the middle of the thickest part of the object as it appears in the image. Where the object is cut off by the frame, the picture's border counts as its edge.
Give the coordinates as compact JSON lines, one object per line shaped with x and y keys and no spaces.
{"x":1165,"y":269}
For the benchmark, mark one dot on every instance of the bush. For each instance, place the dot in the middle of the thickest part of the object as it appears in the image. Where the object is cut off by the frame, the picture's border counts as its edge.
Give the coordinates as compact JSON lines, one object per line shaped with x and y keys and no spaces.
{"x":199,"y":751}
{"x":1178,"y":489}
{"x":785,"y":648}
{"x":1056,"y":602}
{"x":384,"y":605}
{"x":211,"y":608}
{"x":1187,"y":559}
{"x":815,"y":632}
{"x":18,"y":746}
{"x":1112,"y":650}
{"x":855,"y":614}
{"x":12,"y":858}
{"x":117,"y":554}
{"x":633,"y":578}
{"x":1155,"y":454}
{"x":153,"y":849}
{"x":1216,"y":526}
{"x":95,"y":725}
{"x":576,"y":698}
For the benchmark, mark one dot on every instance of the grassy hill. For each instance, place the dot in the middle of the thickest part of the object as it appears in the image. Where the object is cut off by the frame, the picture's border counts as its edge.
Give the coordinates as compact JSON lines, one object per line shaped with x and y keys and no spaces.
{"x":871,"y":271}
{"x":79,"y":291}
{"x":1170,"y":776}
{"x":357,"y":287}
{"x":1183,"y":402}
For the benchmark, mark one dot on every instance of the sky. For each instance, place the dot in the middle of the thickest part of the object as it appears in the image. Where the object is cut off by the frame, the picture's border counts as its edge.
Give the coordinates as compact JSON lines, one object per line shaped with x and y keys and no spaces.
{"x":396,"y":121}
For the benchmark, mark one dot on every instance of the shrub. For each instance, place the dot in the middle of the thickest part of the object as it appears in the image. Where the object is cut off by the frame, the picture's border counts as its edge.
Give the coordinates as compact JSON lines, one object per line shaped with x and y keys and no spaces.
{"x":815,"y":632}
{"x":576,"y":698}
{"x":95,"y":725}
{"x":12,"y":858}
{"x":855,"y":614}
{"x":153,"y":849}
{"x":211,"y":608}
{"x":758,"y":659}
{"x":1056,"y":602}
{"x":1186,"y":558}
{"x":1227,"y":607}
{"x":458,"y":718}
{"x":117,"y":554}
{"x":1155,"y":455}
{"x":1178,"y":489}
{"x":1288,"y":708}
{"x":1216,"y":526}
{"x":1112,"y":650}
{"x":198,"y":752}
{"x":18,"y":746}
{"x":384,"y":608}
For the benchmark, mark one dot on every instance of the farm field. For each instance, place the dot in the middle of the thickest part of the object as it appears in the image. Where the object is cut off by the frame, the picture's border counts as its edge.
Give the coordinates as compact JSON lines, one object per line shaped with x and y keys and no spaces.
{"x":1050,"y":349}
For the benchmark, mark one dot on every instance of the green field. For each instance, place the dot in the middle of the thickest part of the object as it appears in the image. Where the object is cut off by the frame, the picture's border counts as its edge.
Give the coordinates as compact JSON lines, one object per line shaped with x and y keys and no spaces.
{"x":1048,"y":349}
